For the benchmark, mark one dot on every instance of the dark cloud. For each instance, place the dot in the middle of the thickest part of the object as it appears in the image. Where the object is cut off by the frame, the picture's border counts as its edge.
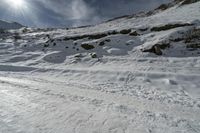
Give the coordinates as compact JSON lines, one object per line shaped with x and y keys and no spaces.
{"x":60,"y":13}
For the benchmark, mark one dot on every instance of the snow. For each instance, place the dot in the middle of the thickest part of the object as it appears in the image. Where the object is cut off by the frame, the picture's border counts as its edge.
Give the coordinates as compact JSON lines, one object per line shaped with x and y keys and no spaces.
{"x":50,"y":84}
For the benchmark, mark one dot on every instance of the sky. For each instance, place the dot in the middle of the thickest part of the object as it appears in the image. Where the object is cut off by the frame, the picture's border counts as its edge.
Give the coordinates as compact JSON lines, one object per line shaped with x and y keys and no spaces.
{"x":68,"y":13}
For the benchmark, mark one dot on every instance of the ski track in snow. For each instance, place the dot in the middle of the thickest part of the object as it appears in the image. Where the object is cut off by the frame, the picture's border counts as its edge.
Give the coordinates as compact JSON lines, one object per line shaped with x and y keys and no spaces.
{"x":34,"y":105}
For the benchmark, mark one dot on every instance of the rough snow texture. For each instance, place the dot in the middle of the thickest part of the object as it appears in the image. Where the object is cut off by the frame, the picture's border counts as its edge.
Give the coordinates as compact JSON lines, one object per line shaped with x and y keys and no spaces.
{"x":97,"y":80}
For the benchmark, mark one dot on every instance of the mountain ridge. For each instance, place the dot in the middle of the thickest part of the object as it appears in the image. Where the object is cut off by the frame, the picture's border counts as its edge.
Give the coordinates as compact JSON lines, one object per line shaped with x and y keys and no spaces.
{"x":157,"y":9}
{"x":10,"y":25}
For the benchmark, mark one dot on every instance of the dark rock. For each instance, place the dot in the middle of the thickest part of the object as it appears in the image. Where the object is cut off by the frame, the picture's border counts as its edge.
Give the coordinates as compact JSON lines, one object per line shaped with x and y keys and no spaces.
{"x":102,"y":43}
{"x":93,"y":55}
{"x":164,"y":45}
{"x":94,"y":36}
{"x":163,"y":7}
{"x":156,"y":49}
{"x":144,"y":29}
{"x":134,"y":33}
{"x":25,"y":30}
{"x":125,"y":31}
{"x":2,"y":31}
{"x":107,"y":40}
{"x":97,"y":36}
{"x":177,"y":39}
{"x":194,"y":46}
{"x":17,"y":37}
{"x":87,"y":46}
{"x":113,"y":32}
{"x":78,"y":55}
{"x":46,"y":45}
{"x":192,"y":36}
{"x":169,"y":26}
{"x":185,"y":2}
{"x":48,"y":36}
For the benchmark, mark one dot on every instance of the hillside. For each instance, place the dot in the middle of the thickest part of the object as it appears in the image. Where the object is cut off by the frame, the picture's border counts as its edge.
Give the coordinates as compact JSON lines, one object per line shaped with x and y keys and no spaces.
{"x":10,"y":25}
{"x":133,"y":74}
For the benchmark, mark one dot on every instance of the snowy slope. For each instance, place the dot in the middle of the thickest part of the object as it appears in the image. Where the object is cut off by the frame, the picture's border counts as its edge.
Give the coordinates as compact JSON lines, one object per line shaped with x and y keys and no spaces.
{"x":10,"y":25}
{"x":129,"y":75}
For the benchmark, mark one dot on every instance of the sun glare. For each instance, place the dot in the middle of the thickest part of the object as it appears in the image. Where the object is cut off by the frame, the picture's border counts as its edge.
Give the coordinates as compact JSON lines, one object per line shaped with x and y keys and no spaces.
{"x":16,"y":3}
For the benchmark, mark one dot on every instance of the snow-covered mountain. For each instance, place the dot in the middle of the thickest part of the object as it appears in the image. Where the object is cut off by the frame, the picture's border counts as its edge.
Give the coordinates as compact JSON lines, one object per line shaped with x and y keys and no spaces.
{"x":10,"y":25}
{"x":133,"y":74}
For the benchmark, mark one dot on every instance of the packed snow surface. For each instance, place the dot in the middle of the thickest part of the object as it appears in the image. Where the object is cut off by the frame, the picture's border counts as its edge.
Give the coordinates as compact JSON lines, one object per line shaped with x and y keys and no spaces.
{"x":129,"y":75}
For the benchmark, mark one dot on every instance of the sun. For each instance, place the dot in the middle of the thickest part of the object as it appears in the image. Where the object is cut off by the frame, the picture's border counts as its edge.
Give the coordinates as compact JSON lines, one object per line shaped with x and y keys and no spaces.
{"x":16,"y":3}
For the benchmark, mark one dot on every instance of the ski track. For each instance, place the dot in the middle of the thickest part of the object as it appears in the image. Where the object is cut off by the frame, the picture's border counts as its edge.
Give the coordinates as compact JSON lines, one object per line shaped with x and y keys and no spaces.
{"x":32,"y":102}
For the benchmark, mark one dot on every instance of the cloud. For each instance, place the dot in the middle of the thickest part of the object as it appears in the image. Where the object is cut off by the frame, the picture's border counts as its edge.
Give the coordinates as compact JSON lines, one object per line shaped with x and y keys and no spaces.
{"x":61,"y":13}
{"x":110,"y":8}
{"x":70,"y":12}
{"x":80,"y":10}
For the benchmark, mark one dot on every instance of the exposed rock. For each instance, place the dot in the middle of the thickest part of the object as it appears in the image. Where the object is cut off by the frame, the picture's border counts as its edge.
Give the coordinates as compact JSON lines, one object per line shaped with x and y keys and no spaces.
{"x":193,"y":45}
{"x":102,"y":43}
{"x":17,"y":37}
{"x":177,"y":39}
{"x":87,"y":46}
{"x":46,"y":45}
{"x":97,"y":36}
{"x":113,"y":32}
{"x":94,"y":36}
{"x":125,"y":31}
{"x":192,"y":36}
{"x":143,"y":29}
{"x":78,"y":55}
{"x":185,"y":2}
{"x":163,"y":7}
{"x":93,"y":55}
{"x":107,"y":40}
{"x":134,"y":33}
{"x":2,"y":31}
{"x":169,"y":26}
{"x":157,"y":48}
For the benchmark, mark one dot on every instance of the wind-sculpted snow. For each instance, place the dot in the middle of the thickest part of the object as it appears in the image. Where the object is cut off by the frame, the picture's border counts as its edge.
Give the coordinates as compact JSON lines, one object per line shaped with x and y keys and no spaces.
{"x":129,"y":75}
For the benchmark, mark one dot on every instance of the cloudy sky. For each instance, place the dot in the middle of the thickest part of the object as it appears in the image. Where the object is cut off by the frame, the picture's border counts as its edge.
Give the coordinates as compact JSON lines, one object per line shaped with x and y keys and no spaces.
{"x":60,"y":13}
